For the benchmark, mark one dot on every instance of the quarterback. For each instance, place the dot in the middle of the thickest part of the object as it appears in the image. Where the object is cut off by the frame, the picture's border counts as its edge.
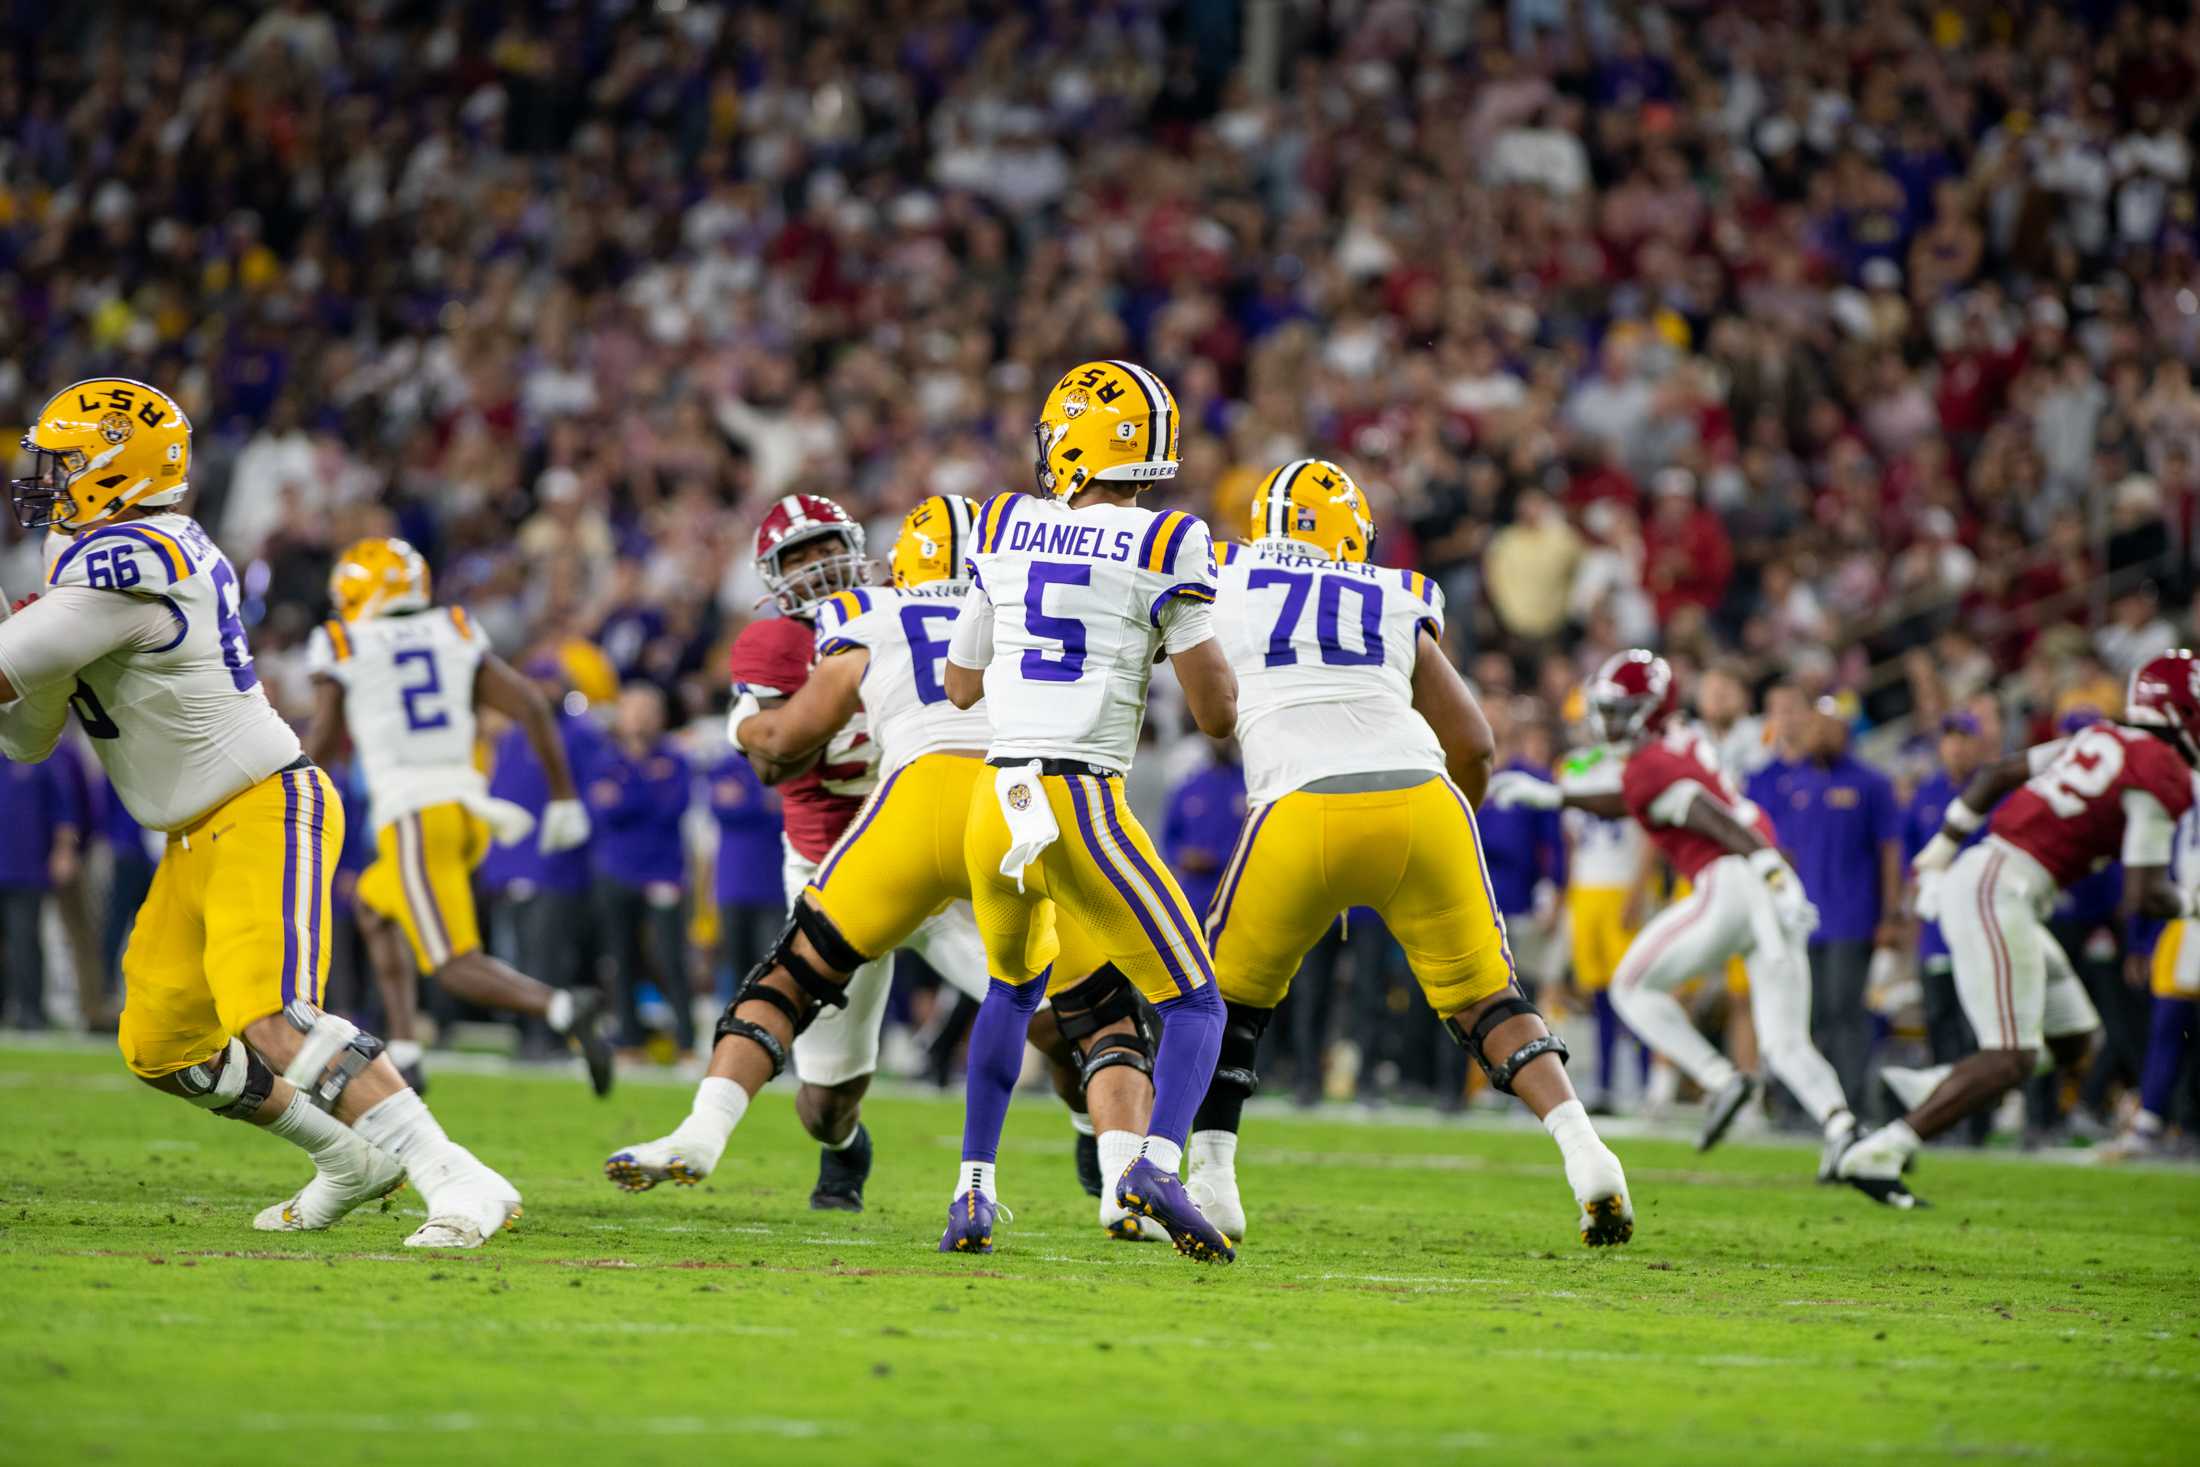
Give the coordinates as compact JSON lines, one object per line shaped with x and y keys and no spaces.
{"x":1364,"y":752}
{"x":138,"y":631}
{"x":1076,"y":592}
{"x":406,"y":680}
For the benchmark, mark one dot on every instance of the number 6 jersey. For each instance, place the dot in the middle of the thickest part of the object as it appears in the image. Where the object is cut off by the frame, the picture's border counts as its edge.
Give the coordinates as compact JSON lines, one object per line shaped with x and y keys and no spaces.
{"x":905,"y":630}
{"x":1075,"y":604}
{"x":408,"y":680}
{"x":1324,"y":652}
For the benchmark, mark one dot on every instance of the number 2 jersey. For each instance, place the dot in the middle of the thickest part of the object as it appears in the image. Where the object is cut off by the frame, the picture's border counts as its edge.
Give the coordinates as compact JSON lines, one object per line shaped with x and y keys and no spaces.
{"x":905,"y":630}
{"x":2092,"y":797}
{"x":1324,"y":653}
{"x":408,"y":680}
{"x":1074,"y":605}
{"x":139,"y":631}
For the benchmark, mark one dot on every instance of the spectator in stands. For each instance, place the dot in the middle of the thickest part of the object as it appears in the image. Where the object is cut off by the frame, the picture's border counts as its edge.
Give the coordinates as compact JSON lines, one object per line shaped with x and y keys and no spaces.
{"x":638,"y":786}
{"x":1836,"y":817}
{"x":751,"y":895}
{"x":1200,"y":829}
{"x":44,"y":823}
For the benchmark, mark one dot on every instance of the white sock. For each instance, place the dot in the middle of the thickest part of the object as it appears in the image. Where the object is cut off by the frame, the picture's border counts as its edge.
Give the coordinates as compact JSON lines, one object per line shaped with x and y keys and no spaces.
{"x":559,"y":1016}
{"x":844,"y":1142}
{"x":313,"y":1130}
{"x":719,"y":1106}
{"x":1080,"y":1121}
{"x":1899,"y":1135}
{"x":403,"y":1053}
{"x":975,"y":1176}
{"x":1163,"y":1153}
{"x":402,"y":1126}
{"x":1839,"y":1123}
{"x":1118,"y":1149}
{"x":1217,"y":1149}
{"x":1570,"y":1127}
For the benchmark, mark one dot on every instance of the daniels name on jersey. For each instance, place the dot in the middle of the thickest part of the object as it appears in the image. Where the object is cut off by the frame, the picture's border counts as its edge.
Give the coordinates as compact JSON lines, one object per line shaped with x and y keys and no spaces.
{"x":408,"y":680}
{"x":904,"y":697}
{"x":1334,"y":643}
{"x":1077,"y":602}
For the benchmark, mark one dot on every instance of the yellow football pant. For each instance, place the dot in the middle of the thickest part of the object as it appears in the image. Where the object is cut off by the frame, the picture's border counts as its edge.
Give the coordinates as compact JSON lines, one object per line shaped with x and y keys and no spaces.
{"x":1414,"y":855}
{"x":2176,"y":966}
{"x":901,"y":860}
{"x":236,"y":924}
{"x":1102,"y":876}
{"x":423,"y":880}
{"x":1596,"y":916}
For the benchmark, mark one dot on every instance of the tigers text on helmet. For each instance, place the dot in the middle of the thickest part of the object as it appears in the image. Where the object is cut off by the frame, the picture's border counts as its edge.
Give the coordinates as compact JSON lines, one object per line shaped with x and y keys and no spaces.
{"x":1631,"y":696}
{"x":378,"y":575}
{"x":99,"y":447}
{"x":1312,"y":501}
{"x":2165,"y":694}
{"x":1106,"y":420}
{"x":803,"y":519}
{"x":934,"y":543}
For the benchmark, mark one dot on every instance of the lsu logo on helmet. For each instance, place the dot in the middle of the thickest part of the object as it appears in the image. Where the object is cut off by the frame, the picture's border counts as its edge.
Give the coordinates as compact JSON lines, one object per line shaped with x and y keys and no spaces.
{"x":377,"y":576}
{"x":1106,"y":420}
{"x":934,"y":543}
{"x":99,"y":447}
{"x":1313,"y":501}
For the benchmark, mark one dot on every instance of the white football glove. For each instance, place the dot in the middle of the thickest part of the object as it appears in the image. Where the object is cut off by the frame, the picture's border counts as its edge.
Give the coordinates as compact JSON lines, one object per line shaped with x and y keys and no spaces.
{"x":1938,"y":852}
{"x":1517,"y":787}
{"x":509,"y":824}
{"x":564,"y":826}
{"x":1797,"y":916}
{"x":1926,"y":902}
{"x":745,"y":706}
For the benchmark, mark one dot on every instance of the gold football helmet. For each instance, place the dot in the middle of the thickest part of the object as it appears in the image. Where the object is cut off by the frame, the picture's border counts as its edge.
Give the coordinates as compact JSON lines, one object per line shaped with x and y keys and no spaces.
{"x":934,"y":543}
{"x":100,"y":447}
{"x":1106,"y":420}
{"x":1313,"y":501}
{"x":377,"y":576}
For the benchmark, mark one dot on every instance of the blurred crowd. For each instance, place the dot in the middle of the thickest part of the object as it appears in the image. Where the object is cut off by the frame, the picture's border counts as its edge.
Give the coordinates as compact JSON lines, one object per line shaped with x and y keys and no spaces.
{"x":1843,"y":346}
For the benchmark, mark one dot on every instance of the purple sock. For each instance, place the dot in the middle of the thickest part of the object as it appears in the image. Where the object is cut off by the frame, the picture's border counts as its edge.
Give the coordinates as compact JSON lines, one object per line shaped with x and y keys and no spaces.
{"x":2169,"y":1037}
{"x":996,"y":1058}
{"x":1191,"y":1037}
{"x":1607,"y":1042}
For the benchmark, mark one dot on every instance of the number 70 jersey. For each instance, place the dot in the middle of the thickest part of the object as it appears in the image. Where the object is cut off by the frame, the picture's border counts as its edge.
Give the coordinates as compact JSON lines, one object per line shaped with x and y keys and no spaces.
{"x":904,"y":696}
{"x":408,"y":681}
{"x":1324,"y":653}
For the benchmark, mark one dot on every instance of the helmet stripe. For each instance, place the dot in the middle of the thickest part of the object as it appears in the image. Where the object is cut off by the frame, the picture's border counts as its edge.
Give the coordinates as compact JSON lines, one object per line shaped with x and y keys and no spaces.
{"x":1279,"y":498}
{"x":1157,"y":410}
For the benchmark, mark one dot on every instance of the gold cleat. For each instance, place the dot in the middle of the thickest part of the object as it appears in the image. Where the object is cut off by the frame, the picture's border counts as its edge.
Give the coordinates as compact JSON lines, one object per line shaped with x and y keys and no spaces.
{"x":1607,"y":1221}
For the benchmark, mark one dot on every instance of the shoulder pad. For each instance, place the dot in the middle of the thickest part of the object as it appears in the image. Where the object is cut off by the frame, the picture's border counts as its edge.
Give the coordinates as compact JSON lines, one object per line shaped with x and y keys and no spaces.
{"x":467,"y":630}
{"x":993,"y":515}
{"x":126,"y":557}
{"x":838,"y":610}
{"x":327,"y":649}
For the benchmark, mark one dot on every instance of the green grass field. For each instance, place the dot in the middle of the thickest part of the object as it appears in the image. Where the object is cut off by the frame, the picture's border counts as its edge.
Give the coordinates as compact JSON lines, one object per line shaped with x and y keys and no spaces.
{"x":1409,"y":1293}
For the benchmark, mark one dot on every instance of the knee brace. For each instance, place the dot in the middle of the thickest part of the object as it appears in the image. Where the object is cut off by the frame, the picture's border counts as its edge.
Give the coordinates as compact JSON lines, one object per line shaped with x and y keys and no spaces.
{"x":1501,"y":1075}
{"x":1104,"y":998}
{"x":237,"y":1090}
{"x":819,"y":989}
{"x":1236,"y":1065}
{"x":1109,"y":1050}
{"x":334,"y":1052}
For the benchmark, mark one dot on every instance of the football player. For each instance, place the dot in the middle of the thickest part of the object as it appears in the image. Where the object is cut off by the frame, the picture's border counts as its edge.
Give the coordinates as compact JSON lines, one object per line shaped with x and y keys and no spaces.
{"x":1364,"y":753}
{"x":2114,"y":789}
{"x":1077,"y":593}
{"x":407,"y":680}
{"x":138,"y":630}
{"x":808,"y":552}
{"x":1744,"y":900}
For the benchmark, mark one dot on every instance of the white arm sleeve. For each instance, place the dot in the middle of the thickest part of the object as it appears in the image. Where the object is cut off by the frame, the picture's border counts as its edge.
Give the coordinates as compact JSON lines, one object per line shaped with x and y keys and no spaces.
{"x":1185,"y":624}
{"x":70,"y":627}
{"x":31,"y":725}
{"x":971,"y":643}
{"x":1673,"y":802}
{"x":2148,"y":830}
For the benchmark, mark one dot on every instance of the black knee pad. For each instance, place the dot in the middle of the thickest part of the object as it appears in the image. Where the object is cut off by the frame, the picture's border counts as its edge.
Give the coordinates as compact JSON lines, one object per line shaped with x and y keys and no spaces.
{"x":237,"y":1090}
{"x":836,"y":950}
{"x":1237,"y":1065}
{"x":818,"y":988}
{"x":1501,"y":1074}
{"x":756,"y":1034}
{"x":1104,"y":997}
{"x":1110,"y":1050}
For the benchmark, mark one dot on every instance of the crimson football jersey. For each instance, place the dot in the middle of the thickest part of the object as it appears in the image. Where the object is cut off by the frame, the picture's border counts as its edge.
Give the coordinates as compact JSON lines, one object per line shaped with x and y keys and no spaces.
{"x":775,"y":655}
{"x":2069,"y":817}
{"x":1681,"y":755}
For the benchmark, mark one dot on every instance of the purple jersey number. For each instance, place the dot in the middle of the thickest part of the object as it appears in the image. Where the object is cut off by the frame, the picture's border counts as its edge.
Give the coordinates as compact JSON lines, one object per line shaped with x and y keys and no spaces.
{"x":926,"y":652}
{"x":1328,"y":617}
{"x":1038,"y":667}
{"x":429,"y":684}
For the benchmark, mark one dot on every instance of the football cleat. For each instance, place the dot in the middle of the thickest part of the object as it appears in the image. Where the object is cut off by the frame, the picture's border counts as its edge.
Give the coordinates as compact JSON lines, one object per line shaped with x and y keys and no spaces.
{"x":841,"y":1175}
{"x":468,"y":1212}
{"x":1151,"y":1192}
{"x":1214,"y":1191}
{"x":1875,"y":1169}
{"x":970,"y":1222}
{"x":587,"y":1031}
{"x":1723,"y":1106}
{"x":1837,"y":1141}
{"x":639,"y":1168}
{"x":1088,"y":1165}
{"x":364,"y":1174}
{"x":1600,"y":1189}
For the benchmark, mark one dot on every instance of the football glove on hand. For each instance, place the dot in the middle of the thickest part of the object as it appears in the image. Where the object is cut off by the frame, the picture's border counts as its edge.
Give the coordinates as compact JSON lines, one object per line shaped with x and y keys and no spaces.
{"x":564,"y":826}
{"x":1926,"y":902}
{"x":1517,"y":787}
{"x":745,"y":707}
{"x":1938,"y":852}
{"x":1797,"y":916}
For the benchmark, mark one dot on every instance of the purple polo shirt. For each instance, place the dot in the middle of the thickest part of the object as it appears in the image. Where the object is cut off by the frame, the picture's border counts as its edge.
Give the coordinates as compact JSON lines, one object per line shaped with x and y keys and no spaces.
{"x":1831,"y":820}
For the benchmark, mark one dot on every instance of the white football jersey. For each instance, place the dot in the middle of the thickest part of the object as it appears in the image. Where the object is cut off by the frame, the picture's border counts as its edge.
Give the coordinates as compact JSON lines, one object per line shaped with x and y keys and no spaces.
{"x":408,"y":680}
{"x":1324,"y":652}
{"x":1081,"y":602}
{"x":180,"y":728}
{"x":1602,"y":853}
{"x":906,"y":633}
